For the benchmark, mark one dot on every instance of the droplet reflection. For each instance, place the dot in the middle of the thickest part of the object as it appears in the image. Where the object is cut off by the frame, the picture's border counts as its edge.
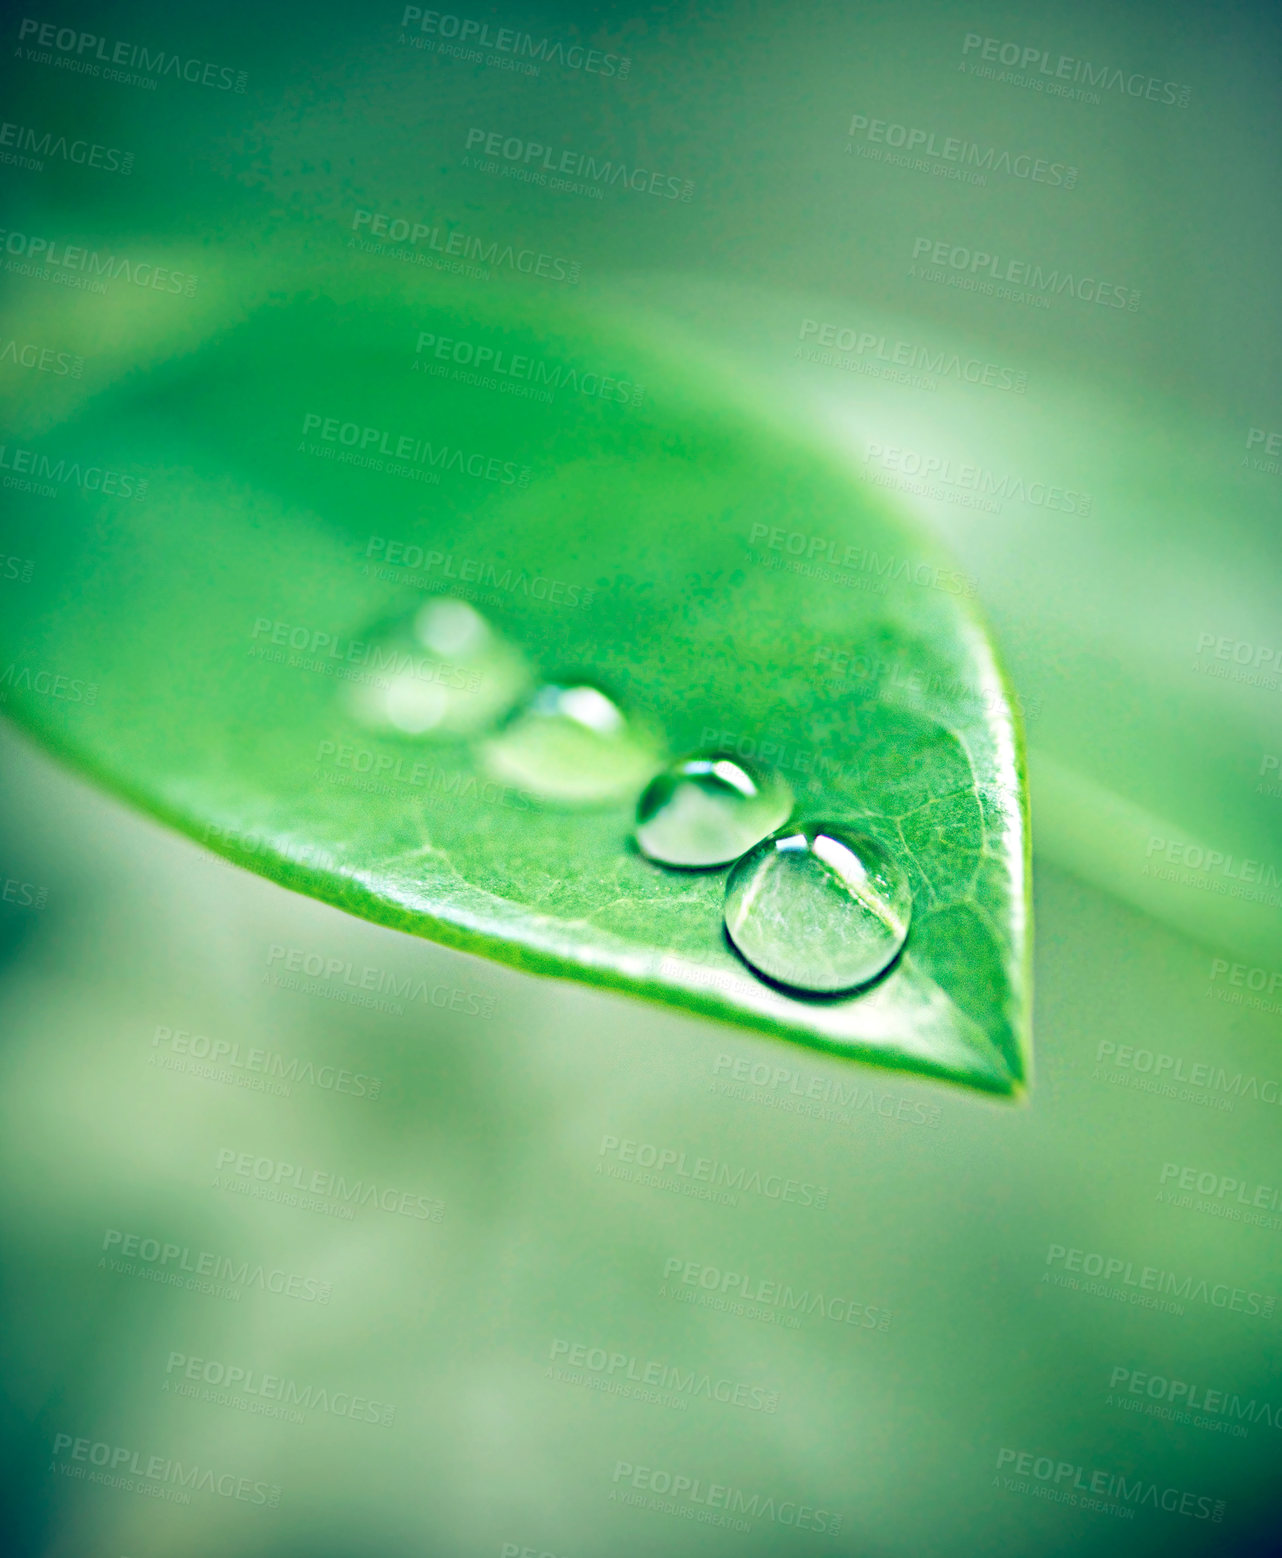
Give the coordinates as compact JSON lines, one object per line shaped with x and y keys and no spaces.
{"x":818,"y":908}
{"x":442,"y":674}
{"x":573,"y":745}
{"x":706,"y":811}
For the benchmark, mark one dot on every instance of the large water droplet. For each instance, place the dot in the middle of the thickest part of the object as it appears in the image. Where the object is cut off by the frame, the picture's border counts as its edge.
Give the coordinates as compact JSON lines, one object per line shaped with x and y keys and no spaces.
{"x":706,"y":811}
{"x":818,"y":907}
{"x":574,"y":745}
{"x":442,"y":673}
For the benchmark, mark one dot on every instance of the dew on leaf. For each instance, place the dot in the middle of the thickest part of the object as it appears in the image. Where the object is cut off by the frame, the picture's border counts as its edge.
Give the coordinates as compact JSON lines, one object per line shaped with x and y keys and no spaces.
{"x":818,"y":907}
{"x":442,"y":673}
{"x":572,"y":744}
{"x":706,"y":811}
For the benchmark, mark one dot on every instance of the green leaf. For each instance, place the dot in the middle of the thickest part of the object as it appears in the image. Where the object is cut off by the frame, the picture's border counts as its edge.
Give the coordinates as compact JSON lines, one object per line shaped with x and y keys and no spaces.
{"x":718,"y":570}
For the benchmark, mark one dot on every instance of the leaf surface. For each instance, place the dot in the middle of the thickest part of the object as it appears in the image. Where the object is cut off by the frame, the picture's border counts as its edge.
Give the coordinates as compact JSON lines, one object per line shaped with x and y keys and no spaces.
{"x":622,"y":512}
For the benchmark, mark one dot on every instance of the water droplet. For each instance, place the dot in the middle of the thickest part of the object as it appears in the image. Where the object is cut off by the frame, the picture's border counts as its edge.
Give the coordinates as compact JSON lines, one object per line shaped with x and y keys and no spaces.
{"x":706,"y":811}
{"x":573,"y":744}
{"x":451,"y":627}
{"x":818,"y":907}
{"x":442,"y":673}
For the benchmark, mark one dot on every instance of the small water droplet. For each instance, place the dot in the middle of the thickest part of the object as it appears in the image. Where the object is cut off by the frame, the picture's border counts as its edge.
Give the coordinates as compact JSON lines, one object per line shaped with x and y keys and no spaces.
{"x":442,"y":673}
{"x":818,"y":907}
{"x":573,"y":744}
{"x":706,"y":811}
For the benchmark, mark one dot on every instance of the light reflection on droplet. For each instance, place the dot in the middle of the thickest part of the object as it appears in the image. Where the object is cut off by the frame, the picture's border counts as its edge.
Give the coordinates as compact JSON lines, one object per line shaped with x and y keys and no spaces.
{"x":440,"y":673}
{"x":572,"y":744}
{"x":818,"y":908}
{"x":706,"y":811}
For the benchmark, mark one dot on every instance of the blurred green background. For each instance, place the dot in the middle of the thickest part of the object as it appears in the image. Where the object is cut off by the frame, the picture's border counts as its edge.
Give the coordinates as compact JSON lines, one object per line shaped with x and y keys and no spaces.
{"x":1129,"y":626}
